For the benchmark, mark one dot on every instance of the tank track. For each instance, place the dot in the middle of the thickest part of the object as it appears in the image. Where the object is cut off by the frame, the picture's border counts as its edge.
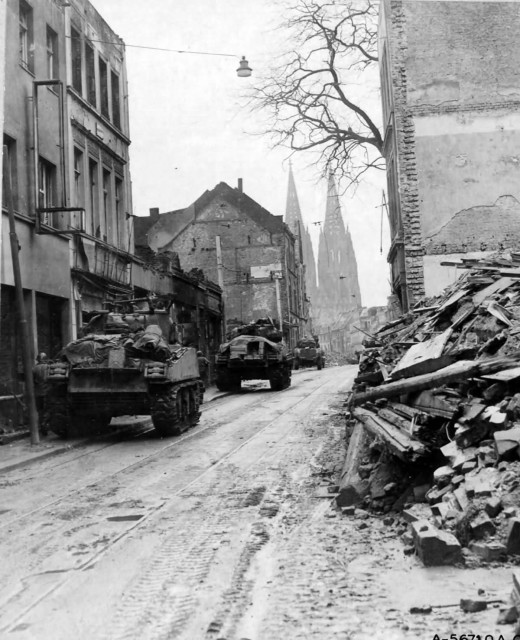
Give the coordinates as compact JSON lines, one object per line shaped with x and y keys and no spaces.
{"x":227,"y":380}
{"x":175,"y":408}
{"x":280,"y":379}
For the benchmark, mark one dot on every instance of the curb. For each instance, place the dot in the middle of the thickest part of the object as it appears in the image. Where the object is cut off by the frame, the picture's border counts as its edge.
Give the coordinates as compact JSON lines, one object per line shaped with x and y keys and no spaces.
{"x":66,"y":446}
{"x":44,"y":455}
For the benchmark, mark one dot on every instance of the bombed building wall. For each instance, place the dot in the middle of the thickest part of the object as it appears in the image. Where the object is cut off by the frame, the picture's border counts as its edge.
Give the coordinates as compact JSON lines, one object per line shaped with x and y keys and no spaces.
{"x":232,"y":239}
{"x":450,"y":95}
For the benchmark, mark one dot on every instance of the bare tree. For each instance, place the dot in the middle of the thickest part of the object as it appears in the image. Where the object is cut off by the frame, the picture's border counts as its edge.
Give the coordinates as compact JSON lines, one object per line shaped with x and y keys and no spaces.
{"x":314,"y":97}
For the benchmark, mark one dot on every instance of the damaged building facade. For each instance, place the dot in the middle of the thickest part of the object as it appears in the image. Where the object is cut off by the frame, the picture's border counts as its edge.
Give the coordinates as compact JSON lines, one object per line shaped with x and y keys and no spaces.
{"x":450,"y":92}
{"x":66,"y":134}
{"x":251,"y":253}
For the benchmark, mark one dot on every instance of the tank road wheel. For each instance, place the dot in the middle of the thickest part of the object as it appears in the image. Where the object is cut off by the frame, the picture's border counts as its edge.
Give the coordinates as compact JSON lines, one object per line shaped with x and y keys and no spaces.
{"x":163,"y":409}
{"x":57,"y":414}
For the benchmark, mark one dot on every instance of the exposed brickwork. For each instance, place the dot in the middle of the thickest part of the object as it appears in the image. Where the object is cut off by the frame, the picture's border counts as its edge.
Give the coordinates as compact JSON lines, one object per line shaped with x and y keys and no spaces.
{"x":484,"y":228}
{"x":407,"y":163}
{"x":255,"y":250}
{"x":454,"y":75}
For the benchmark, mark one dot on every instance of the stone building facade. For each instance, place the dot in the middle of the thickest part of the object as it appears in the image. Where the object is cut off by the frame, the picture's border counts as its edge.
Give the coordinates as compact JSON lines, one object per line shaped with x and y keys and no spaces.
{"x":66,"y":130}
{"x":257,"y":267}
{"x":451,"y":94}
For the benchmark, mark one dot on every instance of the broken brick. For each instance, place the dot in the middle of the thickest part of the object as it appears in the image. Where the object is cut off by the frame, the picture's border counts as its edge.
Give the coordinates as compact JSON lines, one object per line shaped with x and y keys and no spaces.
{"x":443,"y":475}
{"x":470,"y":605}
{"x":482,"y":526}
{"x":468,"y":466}
{"x":433,"y":546}
{"x":489,"y":551}
{"x":507,"y":443}
{"x":493,"y":507}
{"x":513,"y":537}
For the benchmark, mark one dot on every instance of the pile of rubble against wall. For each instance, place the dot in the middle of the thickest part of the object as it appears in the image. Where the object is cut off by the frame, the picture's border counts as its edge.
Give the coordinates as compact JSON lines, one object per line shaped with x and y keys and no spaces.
{"x":435,"y":419}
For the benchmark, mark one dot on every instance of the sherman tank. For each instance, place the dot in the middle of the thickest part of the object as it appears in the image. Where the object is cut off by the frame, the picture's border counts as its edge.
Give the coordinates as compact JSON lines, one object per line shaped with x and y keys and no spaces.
{"x":123,"y":365}
{"x":308,"y":353}
{"x":255,"y":351}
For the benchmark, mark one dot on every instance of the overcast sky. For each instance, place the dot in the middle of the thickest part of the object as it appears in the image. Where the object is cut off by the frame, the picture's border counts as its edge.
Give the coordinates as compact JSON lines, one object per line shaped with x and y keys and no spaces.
{"x":191,"y":129}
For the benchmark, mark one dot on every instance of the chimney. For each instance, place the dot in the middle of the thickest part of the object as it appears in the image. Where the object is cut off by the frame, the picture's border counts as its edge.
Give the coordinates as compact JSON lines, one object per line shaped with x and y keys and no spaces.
{"x":154,"y":213}
{"x":240,"y":185}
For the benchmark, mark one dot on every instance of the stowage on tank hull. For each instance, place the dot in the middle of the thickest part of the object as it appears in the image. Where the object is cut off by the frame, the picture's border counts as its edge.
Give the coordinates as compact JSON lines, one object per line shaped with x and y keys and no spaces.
{"x":82,"y":397}
{"x":307,"y":354}
{"x":253,"y":358}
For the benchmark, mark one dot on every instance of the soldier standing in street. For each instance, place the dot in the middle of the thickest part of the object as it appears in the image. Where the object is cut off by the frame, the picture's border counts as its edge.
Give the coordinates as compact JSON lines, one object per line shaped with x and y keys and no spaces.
{"x":203,"y":367}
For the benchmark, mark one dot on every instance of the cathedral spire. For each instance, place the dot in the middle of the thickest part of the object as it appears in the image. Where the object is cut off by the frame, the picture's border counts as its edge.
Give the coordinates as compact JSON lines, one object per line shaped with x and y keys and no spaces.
{"x":294,"y":220}
{"x":339,"y":290}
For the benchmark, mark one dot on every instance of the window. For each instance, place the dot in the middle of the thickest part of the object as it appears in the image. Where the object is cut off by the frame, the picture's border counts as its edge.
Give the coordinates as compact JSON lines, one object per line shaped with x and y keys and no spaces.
{"x":79,"y":185}
{"x":116,"y":105}
{"x":10,"y":160}
{"x":103,"y":87}
{"x":26,"y":37}
{"x":119,"y":208}
{"x":75,"y":47}
{"x":107,"y":223}
{"x":47,"y":189}
{"x":91,"y":75}
{"x":52,"y":54}
{"x":93,"y":225}
{"x":79,"y":194}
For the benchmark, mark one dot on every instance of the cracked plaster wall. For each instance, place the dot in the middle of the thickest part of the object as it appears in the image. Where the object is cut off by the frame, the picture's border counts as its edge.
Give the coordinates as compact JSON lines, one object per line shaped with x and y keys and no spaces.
{"x":455,"y":73}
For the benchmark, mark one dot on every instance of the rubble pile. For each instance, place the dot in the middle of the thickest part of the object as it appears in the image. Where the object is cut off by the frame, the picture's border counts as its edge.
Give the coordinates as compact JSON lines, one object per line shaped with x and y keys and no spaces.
{"x":438,"y":396}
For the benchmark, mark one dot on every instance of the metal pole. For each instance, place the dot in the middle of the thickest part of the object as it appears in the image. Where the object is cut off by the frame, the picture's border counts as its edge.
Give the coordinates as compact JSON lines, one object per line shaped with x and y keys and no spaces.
{"x":24,"y":329}
{"x":279,"y":302}
{"x":220,"y":272}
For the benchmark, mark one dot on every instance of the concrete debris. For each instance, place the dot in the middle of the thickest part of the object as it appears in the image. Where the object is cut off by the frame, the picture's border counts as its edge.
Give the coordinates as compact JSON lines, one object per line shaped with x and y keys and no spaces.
{"x":437,"y":396}
{"x":433,"y":546}
{"x":470,"y":605}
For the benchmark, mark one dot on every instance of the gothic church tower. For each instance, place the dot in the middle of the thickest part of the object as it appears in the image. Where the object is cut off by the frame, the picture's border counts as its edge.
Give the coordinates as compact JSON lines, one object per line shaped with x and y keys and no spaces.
{"x":304,"y":250}
{"x":338,"y":285}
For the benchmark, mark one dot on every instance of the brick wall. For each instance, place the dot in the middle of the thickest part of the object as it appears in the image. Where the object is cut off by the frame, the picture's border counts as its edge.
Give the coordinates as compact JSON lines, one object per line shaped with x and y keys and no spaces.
{"x":455,"y":81}
{"x":404,"y":143}
{"x":249,"y":255}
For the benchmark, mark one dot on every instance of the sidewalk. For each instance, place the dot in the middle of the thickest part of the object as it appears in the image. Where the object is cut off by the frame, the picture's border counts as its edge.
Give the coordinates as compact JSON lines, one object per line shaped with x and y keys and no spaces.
{"x":20,"y":453}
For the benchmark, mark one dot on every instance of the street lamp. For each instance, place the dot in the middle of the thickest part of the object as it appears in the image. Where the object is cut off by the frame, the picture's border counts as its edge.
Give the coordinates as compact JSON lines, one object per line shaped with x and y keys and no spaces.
{"x":244,"y":70}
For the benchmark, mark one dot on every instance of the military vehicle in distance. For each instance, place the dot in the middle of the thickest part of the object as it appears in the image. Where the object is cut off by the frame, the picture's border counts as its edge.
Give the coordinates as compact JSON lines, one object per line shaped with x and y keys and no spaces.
{"x":308,"y":353}
{"x":254,"y":351}
{"x":124,"y":365}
